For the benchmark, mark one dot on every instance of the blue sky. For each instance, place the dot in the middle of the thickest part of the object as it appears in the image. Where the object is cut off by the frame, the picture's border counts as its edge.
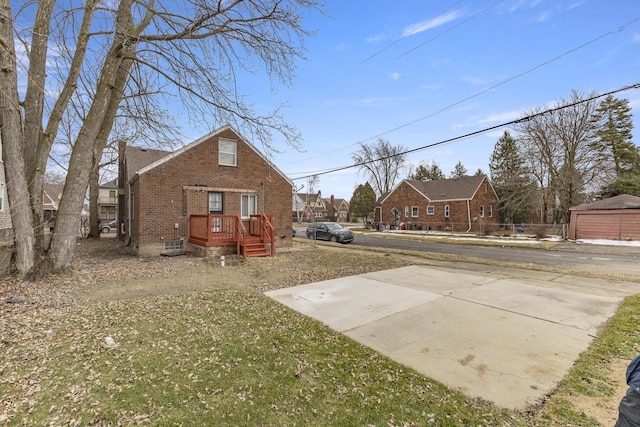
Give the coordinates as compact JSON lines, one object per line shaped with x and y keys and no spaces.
{"x":390,"y":68}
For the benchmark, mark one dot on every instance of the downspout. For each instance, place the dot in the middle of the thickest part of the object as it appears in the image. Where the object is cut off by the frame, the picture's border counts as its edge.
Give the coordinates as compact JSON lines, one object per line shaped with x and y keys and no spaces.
{"x":468,"y":216}
{"x":129,"y":213}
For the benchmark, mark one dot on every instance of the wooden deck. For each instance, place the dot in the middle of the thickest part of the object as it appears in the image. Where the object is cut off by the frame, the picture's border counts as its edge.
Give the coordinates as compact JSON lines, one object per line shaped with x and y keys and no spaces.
{"x":228,"y":230}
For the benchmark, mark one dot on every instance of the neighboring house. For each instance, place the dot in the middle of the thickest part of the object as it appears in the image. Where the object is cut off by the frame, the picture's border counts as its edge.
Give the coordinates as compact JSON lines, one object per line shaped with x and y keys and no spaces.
{"x":616,"y":218}
{"x":51,"y":195}
{"x":6,"y":227}
{"x":202,"y":195}
{"x":108,"y":200}
{"x":311,"y":204}
{"x":468,"y":203}
{"x":337,"y":209}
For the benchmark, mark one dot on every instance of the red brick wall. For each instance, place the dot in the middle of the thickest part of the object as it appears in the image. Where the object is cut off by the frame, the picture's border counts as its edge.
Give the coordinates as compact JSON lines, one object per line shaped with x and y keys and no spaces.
{"x":459,"y":210}
{"x":169,"y":193}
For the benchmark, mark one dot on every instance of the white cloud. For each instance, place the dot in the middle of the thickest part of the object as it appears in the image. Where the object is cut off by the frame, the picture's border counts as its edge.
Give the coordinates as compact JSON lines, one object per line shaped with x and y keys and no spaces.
{"x":431,"y":23}
{"x":543,"y":17}
{"x":500,"y":117}
{"x":375,"y":38}
{"x":395,"y":76}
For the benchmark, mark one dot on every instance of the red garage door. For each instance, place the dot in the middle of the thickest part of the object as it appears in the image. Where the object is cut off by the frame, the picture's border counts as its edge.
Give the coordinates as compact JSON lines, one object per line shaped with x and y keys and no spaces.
{"x":610,"y":225}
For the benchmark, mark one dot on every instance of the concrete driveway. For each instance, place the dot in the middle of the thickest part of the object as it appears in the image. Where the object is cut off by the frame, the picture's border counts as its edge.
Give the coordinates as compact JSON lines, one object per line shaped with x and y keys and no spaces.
{"x":504,"y":335}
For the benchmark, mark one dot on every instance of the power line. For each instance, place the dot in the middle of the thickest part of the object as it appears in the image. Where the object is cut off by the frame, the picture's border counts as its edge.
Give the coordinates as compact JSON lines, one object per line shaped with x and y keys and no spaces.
{"x":475,"y":95}
{"x":478,"y":132}
{"x":450,"y":29}
{"x":403,"y":37}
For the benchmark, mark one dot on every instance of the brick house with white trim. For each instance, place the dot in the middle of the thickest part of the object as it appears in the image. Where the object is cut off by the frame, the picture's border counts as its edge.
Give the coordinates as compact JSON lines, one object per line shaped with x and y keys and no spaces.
{"x":468,"y":203}
{"x":218,"y":174}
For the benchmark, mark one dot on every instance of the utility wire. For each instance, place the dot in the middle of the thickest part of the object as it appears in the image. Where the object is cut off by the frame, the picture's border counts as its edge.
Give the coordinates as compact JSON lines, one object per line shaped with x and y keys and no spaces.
{"x":450,"y":29}
{"x":475,"y":95}
{"x":403,"y":37}
{"x":478,"y":132}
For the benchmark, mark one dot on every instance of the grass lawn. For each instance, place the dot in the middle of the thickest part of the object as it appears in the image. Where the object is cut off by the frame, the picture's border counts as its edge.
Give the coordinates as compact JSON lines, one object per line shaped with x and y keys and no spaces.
{"x":232,"y":356}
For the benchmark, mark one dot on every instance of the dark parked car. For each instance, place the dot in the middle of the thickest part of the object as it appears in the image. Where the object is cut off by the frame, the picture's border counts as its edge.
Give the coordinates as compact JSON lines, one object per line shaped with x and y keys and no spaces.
{"x":106,"y":227}
{"x":329,"y":231}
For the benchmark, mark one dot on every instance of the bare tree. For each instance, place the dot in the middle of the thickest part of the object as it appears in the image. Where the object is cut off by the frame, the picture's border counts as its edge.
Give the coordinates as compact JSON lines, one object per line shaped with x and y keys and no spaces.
{"x":198,"y":50}
{"x":558,"y":149}
{"x":383,"y":163}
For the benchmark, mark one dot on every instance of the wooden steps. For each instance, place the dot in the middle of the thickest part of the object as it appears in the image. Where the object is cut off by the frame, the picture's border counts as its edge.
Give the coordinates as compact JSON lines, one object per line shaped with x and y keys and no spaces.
{"x":253,"y":247}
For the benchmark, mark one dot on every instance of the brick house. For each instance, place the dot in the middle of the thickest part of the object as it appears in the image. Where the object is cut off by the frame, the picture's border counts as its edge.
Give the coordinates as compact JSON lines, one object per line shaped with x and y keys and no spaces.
{"x":468,"y":203}
{"x":337,"y":209}
{"x":204,"y":195}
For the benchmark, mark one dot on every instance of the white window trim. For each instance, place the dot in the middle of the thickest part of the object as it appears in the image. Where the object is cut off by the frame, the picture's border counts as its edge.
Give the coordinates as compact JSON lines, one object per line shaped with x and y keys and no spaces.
{"x":446,"y":211}
{"x":490,"y":211}
{"x":432,"y":209}
{"x":255,"y":205}
{"x":415,"y":211}
{"x":223,"y":141}
{"x":1,"y":195}
{"x":406,"y":211}
{"x":482,"y":211}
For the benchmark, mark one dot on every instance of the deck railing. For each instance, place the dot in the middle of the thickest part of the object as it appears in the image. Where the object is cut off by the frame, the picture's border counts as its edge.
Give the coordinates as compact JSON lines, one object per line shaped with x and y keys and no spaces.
{"x":223,"y":230}
{"x":213,"y":230}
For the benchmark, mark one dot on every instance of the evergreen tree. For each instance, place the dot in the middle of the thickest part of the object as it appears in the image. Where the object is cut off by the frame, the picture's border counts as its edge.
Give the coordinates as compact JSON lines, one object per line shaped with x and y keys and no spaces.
{"x":427,"y":171}
{"x":613,"y":122}
{"x":362,"y":202}
{"x":511,"y":180}
{"x":458,"y":171}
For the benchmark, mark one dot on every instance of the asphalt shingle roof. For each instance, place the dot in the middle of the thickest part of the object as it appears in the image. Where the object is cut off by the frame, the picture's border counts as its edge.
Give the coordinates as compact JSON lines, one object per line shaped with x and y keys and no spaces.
{"x":449,"y":189}
{"x":623,"y":201}
{"x":137,"y":158}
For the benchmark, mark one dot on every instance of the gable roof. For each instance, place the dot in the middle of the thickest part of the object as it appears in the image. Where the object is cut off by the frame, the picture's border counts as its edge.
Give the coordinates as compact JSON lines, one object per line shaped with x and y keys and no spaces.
{"x":110,"y":184}
{"x":138,"y":158}
{"x":623,"y":201}
{"x":51,"y":196}
{"x":168,"y":156}
{"x":441,"y":190}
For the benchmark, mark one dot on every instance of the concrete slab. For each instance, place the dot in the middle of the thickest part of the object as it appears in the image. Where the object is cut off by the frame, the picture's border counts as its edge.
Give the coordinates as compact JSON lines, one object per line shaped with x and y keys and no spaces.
{"x":493,"y":336}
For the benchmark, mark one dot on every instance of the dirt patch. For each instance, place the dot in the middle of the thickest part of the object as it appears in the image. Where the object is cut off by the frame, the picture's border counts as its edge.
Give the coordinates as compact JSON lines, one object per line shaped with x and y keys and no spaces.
{"x":605,"y":408}
{"x":105,"y":270}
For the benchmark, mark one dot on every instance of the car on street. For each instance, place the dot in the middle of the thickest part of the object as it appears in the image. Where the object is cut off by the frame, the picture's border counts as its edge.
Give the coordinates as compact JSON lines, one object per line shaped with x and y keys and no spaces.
{"x":329,"y":231}
{"x":106,"y":227}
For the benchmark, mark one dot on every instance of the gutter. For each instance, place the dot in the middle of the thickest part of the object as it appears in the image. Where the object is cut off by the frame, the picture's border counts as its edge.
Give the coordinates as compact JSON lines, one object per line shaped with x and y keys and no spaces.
{"x":468,"y":216}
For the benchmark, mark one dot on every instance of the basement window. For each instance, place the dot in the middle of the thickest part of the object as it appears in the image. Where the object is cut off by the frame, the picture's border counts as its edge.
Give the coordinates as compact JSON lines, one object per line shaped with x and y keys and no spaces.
{"x":174,"y":246}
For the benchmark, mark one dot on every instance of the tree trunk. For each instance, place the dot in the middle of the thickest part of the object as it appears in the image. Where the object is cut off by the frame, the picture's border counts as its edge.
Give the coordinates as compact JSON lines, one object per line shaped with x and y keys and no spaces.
{"x":13,"y":146}
{"x":91,"y":139}
{"x":94,"y":193}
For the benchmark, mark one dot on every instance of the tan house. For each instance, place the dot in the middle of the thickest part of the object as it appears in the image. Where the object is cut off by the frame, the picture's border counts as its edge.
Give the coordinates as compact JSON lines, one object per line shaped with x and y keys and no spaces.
{"x":108,"y":200}
{"x":6,"y":227}
{"x":217,"y":194}
{"x":51,"y":195}
{"x":309,"y":207}
{"x":465,"y":204}
{"x":616,"y":218}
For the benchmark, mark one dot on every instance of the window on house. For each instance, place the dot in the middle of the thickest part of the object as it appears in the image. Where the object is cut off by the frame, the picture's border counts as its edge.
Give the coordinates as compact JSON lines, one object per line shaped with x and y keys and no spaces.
{"x":227,"y":152}
{"x":431,"y":210}
{"x":406,"y":211}
{"x":1,"y":196}
{"x":490,"y":211}
{"x":318,"y":214}
{"x":414,"y":211}
{"x":446,"y":211}
{"x":215,"y":203}
{"x":486,"y":188}
{"x":481,"y":210}
{"x":112,"y":194}
{"x":249,"y":205}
